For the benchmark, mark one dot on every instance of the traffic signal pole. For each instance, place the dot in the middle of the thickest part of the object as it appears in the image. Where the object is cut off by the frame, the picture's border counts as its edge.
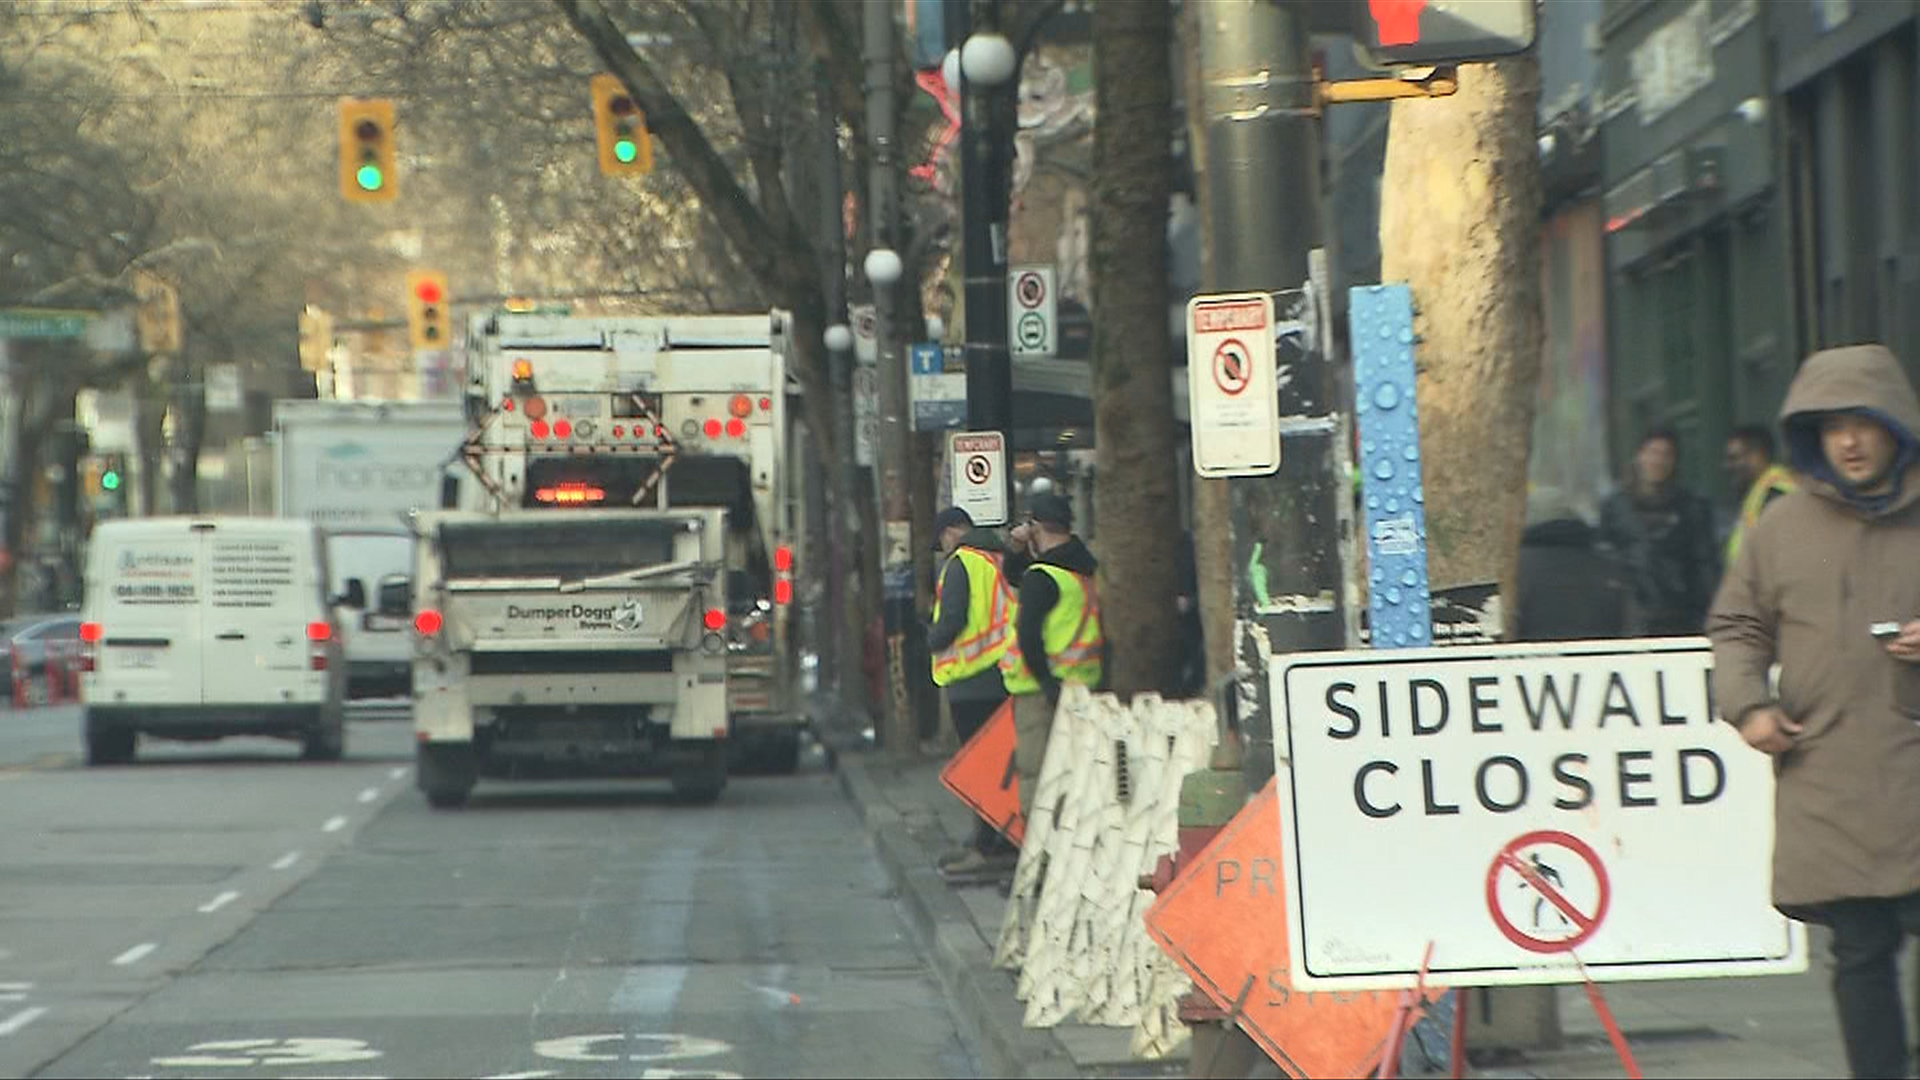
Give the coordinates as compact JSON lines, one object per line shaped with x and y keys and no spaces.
{"x":1261,"y":218}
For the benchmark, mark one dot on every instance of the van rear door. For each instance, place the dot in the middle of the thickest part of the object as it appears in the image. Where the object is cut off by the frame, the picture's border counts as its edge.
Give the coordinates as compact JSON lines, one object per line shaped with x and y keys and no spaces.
{"x":261,"y":596}
{"x":148,"y":602}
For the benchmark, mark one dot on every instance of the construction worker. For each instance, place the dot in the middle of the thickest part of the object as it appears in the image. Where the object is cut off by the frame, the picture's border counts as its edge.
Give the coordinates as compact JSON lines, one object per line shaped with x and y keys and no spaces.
{"x":1754,"y":476}
{"x":971,"y":608}
{"x":1057,"y":637}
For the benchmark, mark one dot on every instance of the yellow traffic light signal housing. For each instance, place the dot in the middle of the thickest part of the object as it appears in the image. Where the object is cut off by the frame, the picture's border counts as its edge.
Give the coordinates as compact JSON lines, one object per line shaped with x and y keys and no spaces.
{"x":368,"y":170}
{"x":620,"y":128}
{"x":429,"y":320}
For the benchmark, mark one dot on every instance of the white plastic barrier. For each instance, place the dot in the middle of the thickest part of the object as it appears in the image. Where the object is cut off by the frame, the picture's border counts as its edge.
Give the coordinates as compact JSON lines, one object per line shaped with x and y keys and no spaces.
{"x":1106,"y":809}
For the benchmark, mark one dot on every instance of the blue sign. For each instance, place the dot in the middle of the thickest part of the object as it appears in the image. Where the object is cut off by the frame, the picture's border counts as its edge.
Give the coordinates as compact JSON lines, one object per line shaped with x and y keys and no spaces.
{"x":1399,"y":608}
{"x":926,"y":358}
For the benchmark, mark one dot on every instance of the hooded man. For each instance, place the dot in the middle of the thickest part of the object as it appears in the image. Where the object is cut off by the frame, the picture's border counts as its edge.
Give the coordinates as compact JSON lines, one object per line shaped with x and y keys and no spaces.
{"x":1057,"y":636}
{"x":1827,"y":585}
{"x":971,"y":613}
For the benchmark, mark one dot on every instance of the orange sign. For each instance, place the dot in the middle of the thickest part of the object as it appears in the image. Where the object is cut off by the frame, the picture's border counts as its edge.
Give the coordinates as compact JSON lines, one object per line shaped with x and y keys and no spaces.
{"x":982,"y":775}
{"x":1224,"y":921}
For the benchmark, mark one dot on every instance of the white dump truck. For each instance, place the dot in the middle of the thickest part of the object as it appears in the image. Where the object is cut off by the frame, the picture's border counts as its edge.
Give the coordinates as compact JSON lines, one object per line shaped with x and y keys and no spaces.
{"x":612,"y":595}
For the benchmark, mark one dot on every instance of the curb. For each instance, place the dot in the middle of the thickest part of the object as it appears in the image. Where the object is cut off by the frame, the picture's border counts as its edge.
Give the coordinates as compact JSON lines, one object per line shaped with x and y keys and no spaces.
{"x":991,"y":1018}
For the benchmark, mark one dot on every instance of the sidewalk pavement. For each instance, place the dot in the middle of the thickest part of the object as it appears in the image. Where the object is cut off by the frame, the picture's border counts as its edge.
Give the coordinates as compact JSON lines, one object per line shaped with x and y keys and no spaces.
{"x":1779,"y":1026}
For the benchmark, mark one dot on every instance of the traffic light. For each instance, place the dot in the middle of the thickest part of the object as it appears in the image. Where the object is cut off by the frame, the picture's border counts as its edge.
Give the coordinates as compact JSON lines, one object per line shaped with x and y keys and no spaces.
{"x":110,"y":474}
{"x":620,"y":128}
{"x":1431,"y":32}
{"x":367,"y":159}
{"x":429,"y":324}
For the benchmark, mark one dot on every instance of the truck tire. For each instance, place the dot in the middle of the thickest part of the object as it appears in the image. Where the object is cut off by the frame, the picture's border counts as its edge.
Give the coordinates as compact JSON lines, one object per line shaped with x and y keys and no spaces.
{"x":702,"y":780}
{"x":110,"y":746}
{"x":446,"y":774}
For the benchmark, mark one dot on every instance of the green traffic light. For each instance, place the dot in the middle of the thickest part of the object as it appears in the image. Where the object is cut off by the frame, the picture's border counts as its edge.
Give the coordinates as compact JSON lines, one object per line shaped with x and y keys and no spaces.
{"x":626,"y":151}
{"x":110,"y":480}
{"x":369,"y":178}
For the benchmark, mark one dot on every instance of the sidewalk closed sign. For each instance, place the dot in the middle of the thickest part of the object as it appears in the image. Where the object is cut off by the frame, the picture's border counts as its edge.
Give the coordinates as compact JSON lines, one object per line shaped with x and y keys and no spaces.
{"x":1528,"y":810}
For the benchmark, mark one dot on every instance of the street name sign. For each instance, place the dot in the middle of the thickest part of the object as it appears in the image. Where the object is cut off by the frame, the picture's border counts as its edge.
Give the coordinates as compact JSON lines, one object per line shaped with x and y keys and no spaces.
{"x":978,"y":460}
{"x":1548,"y":811}
{"x":1233,"y":396}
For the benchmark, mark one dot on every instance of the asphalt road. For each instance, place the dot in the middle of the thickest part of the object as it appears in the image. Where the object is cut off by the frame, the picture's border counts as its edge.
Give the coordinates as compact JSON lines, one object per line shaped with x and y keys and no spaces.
{"x":225,"y":909}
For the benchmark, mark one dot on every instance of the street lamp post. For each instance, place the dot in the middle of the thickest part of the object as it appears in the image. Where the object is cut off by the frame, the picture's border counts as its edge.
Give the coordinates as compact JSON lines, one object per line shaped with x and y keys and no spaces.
{"x":985,"y":64}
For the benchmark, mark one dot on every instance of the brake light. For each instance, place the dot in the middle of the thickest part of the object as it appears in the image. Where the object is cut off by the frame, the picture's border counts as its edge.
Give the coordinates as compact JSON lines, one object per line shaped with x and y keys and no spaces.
{"x":712,"y":428}
{"x":716,"y":619}
{"x":571,"y":494}
{"x":319,"y":631}
{"x":783,"y":591}
{"x":427,"y":622}
{"x":92,"y":632}
{"x":736,"y":428}
{"x":523,"y":370}
{"x":562,"y":429}
{"x":766,"y":404}
{"x":740,"y":406}
{"x":536,"y":408}
{"x":783,"y":558}
{"x":619,"y":432}
{"x":538,"y":429}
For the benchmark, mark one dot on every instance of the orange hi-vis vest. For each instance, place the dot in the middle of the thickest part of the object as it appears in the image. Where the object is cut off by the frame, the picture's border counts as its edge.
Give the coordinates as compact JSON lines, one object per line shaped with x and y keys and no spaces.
{"x":1071,"y":635}
{"x":989,"y":616}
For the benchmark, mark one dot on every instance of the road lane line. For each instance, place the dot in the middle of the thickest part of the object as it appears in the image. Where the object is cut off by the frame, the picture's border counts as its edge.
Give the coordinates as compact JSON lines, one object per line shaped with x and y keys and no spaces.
{"x":15,"y":987}
{"x":369,"y":794}
{"x":12,"y":995}
{"x":286,"y":860}
{"x":136,"y":954}
{"x":219,"y":902}
{"x":21,"y":1019}
{"x":398,"y":774}
{"x":335,"y":823}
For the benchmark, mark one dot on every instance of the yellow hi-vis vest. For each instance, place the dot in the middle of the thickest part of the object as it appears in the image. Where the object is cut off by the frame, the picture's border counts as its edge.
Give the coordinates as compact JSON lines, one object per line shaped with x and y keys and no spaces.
{"x":989,"y":611}
{"x":1777,"y":478}
{"x":1071,"y":636}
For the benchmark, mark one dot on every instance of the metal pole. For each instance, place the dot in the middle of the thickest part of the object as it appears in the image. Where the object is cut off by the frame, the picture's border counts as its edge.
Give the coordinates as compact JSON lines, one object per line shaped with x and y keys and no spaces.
{"x":894,"y":449}
{"x":1261,"y":202}
{"x":984,"y":164}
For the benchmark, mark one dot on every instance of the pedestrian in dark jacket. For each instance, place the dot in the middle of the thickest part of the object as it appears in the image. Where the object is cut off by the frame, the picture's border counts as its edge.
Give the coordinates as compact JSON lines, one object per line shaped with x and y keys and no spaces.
{"x":1666,"y":535}
{"x":1572,"y":588}
{"x":1827,"y":586}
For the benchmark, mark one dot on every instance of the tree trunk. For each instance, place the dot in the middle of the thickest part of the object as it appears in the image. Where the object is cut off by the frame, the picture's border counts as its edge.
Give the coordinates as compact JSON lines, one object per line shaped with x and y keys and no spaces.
{"x":1135,"y":490}
{"x":1461,"y":224}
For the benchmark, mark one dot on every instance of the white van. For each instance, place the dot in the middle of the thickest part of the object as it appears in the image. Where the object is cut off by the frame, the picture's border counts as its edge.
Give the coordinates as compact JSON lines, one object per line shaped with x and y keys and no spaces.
{"x":200,"y":628}
{"x":378,"y":645}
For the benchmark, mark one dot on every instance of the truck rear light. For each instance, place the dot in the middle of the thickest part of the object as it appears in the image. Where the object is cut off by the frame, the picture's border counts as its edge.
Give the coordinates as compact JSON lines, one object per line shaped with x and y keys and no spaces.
{"x":427,"y":622}
{"x":319,"y":631}
{"x":766,"y":404}
{"x":619,"y":432}
{"x":783,"y":558}
{"x":736,"y":428}
{"x":783,"y":592}
{"x":562,"y":429}
{"x":319,"y":661}
{"x":716,"y":619}
{"x":522,"y":370}
{"x":506,"y":404}
{"x":572,"y":494}
{"x":712,"y":428}
{"x":536,"y":408}
{"x":741,"y":406}
{"x":92,"y":632}
{"x":538,"y":429}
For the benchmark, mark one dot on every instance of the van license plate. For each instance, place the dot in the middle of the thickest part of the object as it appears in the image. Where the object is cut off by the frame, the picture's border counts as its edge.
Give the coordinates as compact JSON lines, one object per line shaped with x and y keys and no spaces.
{"x":140,"y":659}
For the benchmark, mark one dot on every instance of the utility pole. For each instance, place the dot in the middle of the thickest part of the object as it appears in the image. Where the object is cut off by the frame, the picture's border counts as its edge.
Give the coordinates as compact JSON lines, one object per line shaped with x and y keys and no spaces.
{"x":1261,"y":216}
{"x":984,"y":164}
{"x":893,"y":449}
{"x":842,"y":531}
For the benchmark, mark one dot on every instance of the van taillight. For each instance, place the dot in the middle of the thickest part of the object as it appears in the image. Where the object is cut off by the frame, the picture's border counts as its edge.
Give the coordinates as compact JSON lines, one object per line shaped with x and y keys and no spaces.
{"x":427,"y":622}
{"x":92,"y":632}
{"x":319,"y":631}
{"x":783,"y":592}
{"x":716,"y":619}
{"x":783,"y":558}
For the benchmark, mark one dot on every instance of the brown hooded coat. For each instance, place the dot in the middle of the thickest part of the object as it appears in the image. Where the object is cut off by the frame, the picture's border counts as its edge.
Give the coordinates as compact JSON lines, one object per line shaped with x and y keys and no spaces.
{"x":1814,"y":572}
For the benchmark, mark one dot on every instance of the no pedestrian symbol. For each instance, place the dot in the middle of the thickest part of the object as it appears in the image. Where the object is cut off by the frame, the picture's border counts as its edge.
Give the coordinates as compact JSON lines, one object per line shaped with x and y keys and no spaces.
{"x":1547,"y":891}
{"x":1032,"y":289}
{"x":979,"y":469}
{"x":1232,"y":368}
